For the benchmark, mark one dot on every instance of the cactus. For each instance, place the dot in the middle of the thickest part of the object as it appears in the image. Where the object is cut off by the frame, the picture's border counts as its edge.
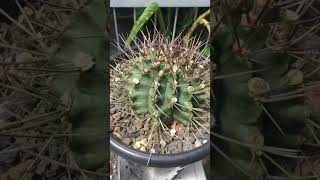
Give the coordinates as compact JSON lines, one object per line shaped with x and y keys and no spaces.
{"x":68,"y":83}
{"x":164,"y":81}
{"x":165,"y":86}
{"x":257,"y":90}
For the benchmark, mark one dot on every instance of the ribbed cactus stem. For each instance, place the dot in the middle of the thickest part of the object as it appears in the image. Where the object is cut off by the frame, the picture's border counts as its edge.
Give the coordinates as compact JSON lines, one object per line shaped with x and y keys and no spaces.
{"x":164,"y":83}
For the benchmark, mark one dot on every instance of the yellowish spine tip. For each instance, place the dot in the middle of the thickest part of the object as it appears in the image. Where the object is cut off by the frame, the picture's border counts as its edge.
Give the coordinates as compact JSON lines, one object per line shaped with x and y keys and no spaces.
{"x":145,"y":70}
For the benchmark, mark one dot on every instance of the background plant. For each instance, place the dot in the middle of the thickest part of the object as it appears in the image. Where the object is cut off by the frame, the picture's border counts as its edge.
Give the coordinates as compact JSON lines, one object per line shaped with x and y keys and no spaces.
{"x":52,"y":48}
{"x":264,"y":127}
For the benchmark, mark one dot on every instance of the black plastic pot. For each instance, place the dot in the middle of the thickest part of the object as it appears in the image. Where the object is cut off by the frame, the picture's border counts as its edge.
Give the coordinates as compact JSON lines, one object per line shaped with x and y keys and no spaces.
{"x":157,"y":160}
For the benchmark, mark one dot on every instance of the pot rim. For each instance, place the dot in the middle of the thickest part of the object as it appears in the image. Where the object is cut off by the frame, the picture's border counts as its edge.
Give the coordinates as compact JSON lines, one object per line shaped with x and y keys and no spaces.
{"x":159,"y":160}
{"x":156,"y":160}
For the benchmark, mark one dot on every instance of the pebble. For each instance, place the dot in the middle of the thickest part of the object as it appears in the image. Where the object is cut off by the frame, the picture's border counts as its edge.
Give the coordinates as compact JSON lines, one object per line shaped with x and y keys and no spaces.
{"x":198,"y":135}
{"x":163,"y":143}
{"x":143,"y":149}
{"x":191,"y":139}
{"x":187,"y":146}
{"x":172,"y":132}
{"x":172,"y":147}
{"x":197,"y":143}
{"x":127,"y":141}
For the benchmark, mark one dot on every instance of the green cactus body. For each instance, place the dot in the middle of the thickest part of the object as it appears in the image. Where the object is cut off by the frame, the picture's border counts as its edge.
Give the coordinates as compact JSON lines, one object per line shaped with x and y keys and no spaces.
{"x":166,"y":90}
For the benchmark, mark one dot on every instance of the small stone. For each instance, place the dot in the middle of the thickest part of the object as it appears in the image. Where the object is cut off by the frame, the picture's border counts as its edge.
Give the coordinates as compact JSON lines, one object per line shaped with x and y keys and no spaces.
{"x":197,"y":143}
{"x":187,"y":146}
{"x":179,"y":128}
{"x":198,"y":135}
{"x":163,"y":143}
{"x":172,"y":147}
{"x":116,"y":129}
{"x":191,"y":139}
{"x":137,"y":145}
{"x":172,"y":132}
{"x":127,"y":141}
{"x":144,"y":142}
{"x":179,"y":147}
{"x":143,"y":149}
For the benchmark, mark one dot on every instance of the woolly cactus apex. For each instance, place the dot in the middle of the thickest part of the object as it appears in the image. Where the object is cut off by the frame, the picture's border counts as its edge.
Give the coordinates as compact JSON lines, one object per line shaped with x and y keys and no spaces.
{"x":164,"y":81}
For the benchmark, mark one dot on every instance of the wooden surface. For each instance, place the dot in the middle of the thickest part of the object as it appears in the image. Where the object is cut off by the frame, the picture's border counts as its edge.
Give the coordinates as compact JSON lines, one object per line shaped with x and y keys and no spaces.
{"x":162,"y":3}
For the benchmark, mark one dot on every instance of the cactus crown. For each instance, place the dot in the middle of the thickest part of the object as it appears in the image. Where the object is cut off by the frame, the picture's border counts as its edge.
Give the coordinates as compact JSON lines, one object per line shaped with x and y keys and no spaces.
{"x":165,"y":80}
